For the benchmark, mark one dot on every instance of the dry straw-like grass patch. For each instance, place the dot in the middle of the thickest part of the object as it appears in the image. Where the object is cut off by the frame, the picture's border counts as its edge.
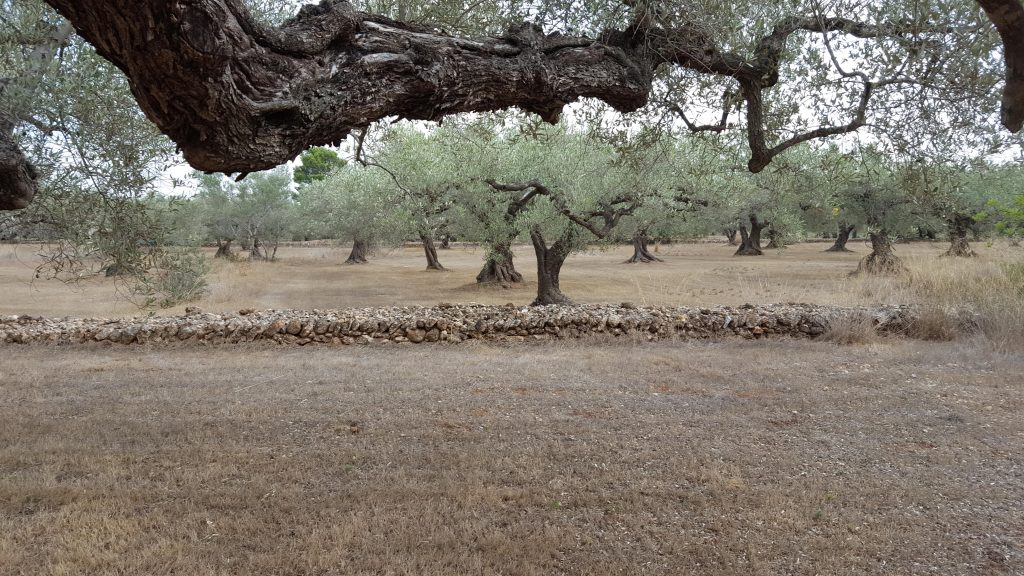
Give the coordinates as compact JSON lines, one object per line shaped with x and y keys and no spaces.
{"x":970,"y":298}
{"x":785,"y":457}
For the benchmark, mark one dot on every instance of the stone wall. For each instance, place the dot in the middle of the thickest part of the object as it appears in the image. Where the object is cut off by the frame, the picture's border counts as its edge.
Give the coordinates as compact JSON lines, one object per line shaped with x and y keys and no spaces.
{"x":447,"y":323}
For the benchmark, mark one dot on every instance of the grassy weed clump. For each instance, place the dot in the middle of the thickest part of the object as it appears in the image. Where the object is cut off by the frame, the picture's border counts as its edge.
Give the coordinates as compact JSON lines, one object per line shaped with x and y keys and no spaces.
{"x":960,"y":297}
{"x":181,"y":277}
{"x":852,"y":328}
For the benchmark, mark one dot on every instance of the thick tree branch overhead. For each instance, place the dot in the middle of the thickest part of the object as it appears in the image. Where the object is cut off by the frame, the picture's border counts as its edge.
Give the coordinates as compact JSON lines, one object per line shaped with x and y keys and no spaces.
{"x":1008,"y":18}
{"x":238,"y":96}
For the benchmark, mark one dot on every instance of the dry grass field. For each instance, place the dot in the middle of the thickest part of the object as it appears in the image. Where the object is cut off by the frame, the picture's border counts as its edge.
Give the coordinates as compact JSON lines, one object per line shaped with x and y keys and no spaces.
{"x":734,"y":458}
{"x":693,"y":274}
{"x":888,"y":456}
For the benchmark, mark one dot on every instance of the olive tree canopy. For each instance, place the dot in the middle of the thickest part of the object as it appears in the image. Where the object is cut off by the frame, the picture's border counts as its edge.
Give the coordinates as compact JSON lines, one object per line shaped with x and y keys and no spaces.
{"x":238,"y":95}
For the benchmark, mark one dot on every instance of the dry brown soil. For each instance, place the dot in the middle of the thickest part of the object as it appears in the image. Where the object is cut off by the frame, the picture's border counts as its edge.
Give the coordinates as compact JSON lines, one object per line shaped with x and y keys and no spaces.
{"x":790,"y":457}
{"x":732,"y":458}
{"x":305,"y":278}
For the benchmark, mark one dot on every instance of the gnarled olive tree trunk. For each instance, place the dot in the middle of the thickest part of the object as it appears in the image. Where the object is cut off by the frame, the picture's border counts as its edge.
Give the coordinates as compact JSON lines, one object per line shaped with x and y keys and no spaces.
{"x":882,"y":259}
{"x":959,"y":226}
{"x":359,"y":251}
{"x":775,"y":240}
{"x":431,"y":253}
{"x":730,"y":236}
{"x":842,"y":237}
{"x":641,"y":254}
{"x":18,"y":177}
{"x":238,"y":96}
{"x":499,"y":267}
{"x":750,"y":240}
{"x":549,"y":267}
{"x":223,"y":249}
{"x":256,"y":251}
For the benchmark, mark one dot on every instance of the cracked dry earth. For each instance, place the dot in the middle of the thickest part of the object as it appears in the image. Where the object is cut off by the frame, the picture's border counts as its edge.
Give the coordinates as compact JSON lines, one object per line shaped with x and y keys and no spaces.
{"x":781,"y":457}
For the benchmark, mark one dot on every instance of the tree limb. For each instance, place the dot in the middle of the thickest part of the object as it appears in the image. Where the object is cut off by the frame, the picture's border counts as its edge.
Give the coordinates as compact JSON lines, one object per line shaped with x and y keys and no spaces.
{"x":237,"y":96}
{"x":1008,"y":17}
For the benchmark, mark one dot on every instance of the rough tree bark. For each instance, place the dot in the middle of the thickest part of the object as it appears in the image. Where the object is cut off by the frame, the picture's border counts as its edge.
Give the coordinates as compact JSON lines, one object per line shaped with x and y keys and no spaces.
{"x":775,"y":241}
{"x":238,"y":96}
{"x":431,"y":253}
{"x":17,"y":175}
{"x":1008,"y":17}
{"x":959,"y":226}
{"x":499,"y":267}
{"x":750,"y":240}
{"x":256,"y":250}
{"x":223,"y":249}
{"x":882,"y":259}
{"x":842,"y":237}
{"x":730,"y":235}
{"x":446,"y":242}
{"x":358,"y":254}
{"x":549,"y":266}
{"x":641,"y":254}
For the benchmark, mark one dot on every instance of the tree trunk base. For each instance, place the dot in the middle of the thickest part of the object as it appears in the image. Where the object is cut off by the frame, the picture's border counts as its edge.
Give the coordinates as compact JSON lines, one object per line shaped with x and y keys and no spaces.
{"x":960,"y":253}
{"x":641,"y":254}
{"x":960,"y":249}
{"x":748,"y":251}
{"x":433,"y":263}
{"x":494,"y":273}
{"x":775,"y":241}
{"x":842,"y":237}
{"x":881,"y":260}
{"x":224,"y":251}
{"x":639,"y":258}
{"x":750,"y":241}
{"x":552,"y":298}
{"x":880,"y":264}
{"x":358,"y":254}
{"x":838,"y":248}
{"x":499,"y":268}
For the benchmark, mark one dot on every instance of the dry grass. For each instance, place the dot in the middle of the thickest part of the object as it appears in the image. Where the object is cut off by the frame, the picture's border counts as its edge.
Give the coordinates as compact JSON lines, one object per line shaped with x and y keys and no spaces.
{"x":890,"y":457}
{"x":852,"y":328}
{"x":804,"y":458}
{"x":693,"y":274}
{"x":985,"y":298}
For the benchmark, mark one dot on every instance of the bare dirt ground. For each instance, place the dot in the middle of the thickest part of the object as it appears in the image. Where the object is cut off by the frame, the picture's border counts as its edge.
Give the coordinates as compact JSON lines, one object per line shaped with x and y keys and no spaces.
{"x":788,"y":457}
{"x":585,"y":457}
{"x":305,"y":278}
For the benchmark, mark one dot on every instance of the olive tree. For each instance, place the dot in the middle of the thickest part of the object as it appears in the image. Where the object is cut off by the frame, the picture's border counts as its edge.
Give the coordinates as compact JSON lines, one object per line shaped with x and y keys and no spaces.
{"x":259,"y":212}
{"x":238,"y":94}
{"x":357,"y":204}
{"x":97,"y":160}
{"x":876,"y":195}
{"x":425,"y":171}
{"x":575,"y":189}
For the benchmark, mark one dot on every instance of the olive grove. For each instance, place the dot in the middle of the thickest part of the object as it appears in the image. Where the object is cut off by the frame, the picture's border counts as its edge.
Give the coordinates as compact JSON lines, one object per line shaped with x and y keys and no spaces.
{"x":237,"y":93}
